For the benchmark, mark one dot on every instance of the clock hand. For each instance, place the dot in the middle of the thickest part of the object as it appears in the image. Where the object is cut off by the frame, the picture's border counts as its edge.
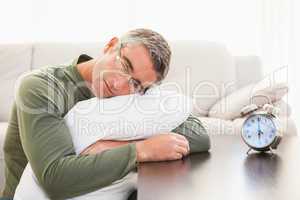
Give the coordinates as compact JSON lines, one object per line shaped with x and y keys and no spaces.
{"x":259,"y":130}
{"x":259,"y":135}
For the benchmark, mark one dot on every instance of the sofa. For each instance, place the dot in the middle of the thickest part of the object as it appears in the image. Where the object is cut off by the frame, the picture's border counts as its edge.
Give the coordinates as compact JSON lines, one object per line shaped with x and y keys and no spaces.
{"x":204,"y":70}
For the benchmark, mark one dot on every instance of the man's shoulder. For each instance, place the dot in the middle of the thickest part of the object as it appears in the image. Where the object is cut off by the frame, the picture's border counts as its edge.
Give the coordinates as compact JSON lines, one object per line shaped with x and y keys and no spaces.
{"x":41,"y":80}
{"x":42,"y":75}
{"x":40,"y":89}
{"x":31,"y":80}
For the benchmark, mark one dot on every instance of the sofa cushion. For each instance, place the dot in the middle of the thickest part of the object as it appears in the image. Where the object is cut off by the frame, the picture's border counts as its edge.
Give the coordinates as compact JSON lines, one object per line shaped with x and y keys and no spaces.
{"x":15,"y":59}
{"x":260,"y":93}
{"x":203,"y":70}
{"x":246,"y":65}
{"x":45,"y":54}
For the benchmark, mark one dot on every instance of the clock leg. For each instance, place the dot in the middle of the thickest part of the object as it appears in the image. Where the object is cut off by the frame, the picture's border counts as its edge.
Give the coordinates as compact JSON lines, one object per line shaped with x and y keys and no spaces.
{"x":248,"y":152}
{"x":272,"y":152}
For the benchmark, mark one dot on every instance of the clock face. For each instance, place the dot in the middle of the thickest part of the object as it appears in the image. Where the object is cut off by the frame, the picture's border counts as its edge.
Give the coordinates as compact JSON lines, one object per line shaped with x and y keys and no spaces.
{"x":259,"y":131}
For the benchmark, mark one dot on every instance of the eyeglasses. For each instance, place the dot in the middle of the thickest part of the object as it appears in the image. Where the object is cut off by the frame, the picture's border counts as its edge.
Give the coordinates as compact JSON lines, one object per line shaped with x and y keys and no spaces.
{"x":126,"y":67}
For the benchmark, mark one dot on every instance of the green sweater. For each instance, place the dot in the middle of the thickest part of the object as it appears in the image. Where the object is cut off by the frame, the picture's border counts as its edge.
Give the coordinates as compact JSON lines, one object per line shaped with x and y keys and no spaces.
{"x":37,"y":133}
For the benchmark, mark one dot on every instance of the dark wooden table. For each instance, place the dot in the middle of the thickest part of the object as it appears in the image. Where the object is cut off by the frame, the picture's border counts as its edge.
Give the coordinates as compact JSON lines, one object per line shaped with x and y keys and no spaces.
{"x":226,"y":172}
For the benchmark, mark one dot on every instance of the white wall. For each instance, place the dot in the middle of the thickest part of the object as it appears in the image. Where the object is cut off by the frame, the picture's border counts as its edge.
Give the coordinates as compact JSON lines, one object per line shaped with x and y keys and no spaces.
{"x":234,"y":22}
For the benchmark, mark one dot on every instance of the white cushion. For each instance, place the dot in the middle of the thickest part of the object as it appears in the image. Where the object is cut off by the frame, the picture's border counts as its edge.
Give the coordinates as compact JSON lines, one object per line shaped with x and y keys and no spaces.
{"x":230,"y":106}
{"x":128,"y":117}
{"x":15,"y":59}
{"x":202,"y":70}
{"x":3,"y":127}
{"x":29,"y":188}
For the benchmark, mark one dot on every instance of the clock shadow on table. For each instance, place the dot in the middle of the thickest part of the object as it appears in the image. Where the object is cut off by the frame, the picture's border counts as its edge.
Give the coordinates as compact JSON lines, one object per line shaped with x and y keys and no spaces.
{"x":262,"y":170}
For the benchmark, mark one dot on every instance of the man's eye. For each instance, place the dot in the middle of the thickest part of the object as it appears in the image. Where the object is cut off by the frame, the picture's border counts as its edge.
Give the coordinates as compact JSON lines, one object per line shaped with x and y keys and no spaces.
{"x":136,"y":84}
{"x":124,"y":67}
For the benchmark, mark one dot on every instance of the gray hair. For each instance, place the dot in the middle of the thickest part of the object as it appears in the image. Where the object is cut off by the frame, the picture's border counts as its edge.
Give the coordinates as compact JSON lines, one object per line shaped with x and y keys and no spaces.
{"x":157,"y":46}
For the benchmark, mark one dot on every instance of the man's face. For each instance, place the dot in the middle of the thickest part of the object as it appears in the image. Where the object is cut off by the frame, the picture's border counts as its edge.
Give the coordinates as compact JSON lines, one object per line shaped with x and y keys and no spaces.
{"x":111,"y":76}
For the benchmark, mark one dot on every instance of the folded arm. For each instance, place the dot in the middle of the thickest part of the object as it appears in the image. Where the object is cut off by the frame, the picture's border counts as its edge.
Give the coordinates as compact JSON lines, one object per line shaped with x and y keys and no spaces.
{"x":192,"y":129}
{"x":47,"y":143}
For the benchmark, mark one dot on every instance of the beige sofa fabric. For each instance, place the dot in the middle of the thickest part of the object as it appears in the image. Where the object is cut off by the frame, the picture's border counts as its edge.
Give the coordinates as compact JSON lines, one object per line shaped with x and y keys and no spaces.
{"x":15,"y":59}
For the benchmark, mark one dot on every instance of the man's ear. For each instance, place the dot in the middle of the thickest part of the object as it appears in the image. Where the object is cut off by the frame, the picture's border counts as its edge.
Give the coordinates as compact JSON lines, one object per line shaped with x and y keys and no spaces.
{"x":111,"y":44}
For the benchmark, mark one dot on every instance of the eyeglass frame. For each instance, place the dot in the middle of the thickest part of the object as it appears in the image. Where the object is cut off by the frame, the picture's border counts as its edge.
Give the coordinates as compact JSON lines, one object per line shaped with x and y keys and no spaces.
{"x":131,"y":81}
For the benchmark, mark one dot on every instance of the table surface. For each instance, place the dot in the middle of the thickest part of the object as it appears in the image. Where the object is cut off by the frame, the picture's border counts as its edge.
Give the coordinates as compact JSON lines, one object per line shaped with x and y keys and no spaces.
{"x":226,"y":172}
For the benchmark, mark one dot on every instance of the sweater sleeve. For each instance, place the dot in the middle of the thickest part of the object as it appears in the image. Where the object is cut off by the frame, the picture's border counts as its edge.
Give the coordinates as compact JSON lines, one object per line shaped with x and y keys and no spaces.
{"x":48,"y":145}
{"x":193,"y":130}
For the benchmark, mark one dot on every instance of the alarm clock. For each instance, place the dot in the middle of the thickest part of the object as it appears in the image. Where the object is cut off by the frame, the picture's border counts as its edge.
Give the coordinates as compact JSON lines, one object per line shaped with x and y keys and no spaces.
{"x":261,"y":129}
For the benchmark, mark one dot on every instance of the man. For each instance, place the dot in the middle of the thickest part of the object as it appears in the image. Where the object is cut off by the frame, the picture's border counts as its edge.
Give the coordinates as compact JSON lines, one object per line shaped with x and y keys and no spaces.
{"x":37,"y":132}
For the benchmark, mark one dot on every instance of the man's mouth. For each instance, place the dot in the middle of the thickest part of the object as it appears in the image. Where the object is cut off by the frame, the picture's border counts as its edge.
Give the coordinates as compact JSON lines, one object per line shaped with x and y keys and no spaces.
{"x":108,"y":88}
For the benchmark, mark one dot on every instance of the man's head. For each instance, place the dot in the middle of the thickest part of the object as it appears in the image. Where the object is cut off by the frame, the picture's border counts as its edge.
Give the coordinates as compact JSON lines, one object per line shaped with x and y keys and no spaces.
{"x":131,"y":64}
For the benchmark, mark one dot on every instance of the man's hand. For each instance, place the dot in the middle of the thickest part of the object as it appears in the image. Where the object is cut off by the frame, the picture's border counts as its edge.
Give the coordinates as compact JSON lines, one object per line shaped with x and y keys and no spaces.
{"x":102,"y":145}
{"x":162,"y":147}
